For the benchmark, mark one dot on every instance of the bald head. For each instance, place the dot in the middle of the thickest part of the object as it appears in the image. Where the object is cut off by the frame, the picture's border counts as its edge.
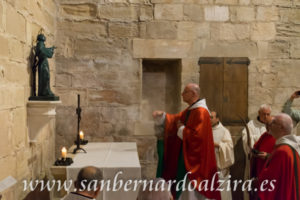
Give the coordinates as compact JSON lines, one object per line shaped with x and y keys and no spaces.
{"x":195,"y":88}
{"x":281,"y":125}
{"x":87,"y":176}
{"x":191,"y":93}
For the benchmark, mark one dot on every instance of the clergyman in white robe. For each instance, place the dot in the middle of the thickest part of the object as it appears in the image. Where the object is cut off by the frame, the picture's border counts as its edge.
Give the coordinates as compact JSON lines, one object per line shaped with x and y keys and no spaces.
{"x":224,"y":156}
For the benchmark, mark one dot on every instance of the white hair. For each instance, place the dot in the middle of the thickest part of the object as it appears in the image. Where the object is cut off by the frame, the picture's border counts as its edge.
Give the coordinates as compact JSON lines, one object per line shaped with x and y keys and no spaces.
{"x":265,"y":106}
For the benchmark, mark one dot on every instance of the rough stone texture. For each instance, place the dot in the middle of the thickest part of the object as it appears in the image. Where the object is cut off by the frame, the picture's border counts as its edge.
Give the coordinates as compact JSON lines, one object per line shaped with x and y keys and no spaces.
{"x":265,"y":3}
{"x":216,"y":13}
{"x":230,"y":31}
{"x":290,"y":15}
{"x":5,"y":143}
{"x":168,"y":11}
{"x":16,"y":50}
{"x":288,"y":30}
{"x":232,"y":49}
{"x":1,"y":15}
{"x":85,"y":29}
{"x":267,"y":14}
{"x":263,"y":31}
{"x":63,"y":80}
{"x":4,"y":47}
{"x":227,"y":2}
{"x":295,"y":49}
{"x":86,"y":10}
{"x":160,"y":48}
{"x":146,"y":13}
{"x":193,"y":12}
{"x":19,"y":136}
{"x":283,"y":3}
{"x":242,"y":14}
{"x":182,"y":1}
{"x":192,"y":30}
{"x":278,"y":49}
{"x":161,"y":30}
{"x":244,"y":2}
{"x":90,"y":49}
{"x":18,"y":27}
{"x":118,"y":13}
{"x":122,"y":30}
{"x":284,"y":69}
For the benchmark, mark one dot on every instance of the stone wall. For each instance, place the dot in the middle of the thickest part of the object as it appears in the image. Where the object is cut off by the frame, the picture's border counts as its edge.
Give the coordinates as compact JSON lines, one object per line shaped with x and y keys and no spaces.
{"x":20,"y":22}
{"x":102,"y":44}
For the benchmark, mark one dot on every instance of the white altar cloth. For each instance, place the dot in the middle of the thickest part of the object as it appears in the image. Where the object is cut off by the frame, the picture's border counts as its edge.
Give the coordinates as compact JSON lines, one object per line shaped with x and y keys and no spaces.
{"x":111,"y":158}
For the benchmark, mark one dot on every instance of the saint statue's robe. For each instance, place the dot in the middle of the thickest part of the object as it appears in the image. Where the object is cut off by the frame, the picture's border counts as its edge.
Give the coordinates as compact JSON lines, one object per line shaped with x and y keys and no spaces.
{"x":224,"y":156}
{"x":191,"y":149}
{"x":283,"y":170}
{"x":266,"y":144}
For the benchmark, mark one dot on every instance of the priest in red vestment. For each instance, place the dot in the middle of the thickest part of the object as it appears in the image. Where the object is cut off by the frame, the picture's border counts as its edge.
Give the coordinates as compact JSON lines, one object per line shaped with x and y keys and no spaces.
{"x":189,"y":146}
{"x":279,"y":178}
{"x":262,"y":150}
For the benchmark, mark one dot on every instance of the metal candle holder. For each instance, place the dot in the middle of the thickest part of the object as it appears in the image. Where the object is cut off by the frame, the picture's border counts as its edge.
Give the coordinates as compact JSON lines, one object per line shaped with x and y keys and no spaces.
{"x":78,"y":141}
{"x":63,"y":162}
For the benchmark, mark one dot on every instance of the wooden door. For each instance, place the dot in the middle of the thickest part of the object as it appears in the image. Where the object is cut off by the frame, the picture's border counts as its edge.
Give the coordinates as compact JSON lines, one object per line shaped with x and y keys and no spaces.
{"x":224,"y":85}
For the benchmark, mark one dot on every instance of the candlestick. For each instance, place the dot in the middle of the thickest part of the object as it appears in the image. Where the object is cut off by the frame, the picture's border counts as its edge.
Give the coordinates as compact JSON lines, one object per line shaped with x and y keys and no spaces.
{"x":81,"y":135}
{"x":64,"y":153}
{"x":77,"y":142}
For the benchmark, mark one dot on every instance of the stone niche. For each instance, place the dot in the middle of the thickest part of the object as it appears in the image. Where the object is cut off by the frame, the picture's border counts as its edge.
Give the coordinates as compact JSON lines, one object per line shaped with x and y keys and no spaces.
{"x":161,"y":86}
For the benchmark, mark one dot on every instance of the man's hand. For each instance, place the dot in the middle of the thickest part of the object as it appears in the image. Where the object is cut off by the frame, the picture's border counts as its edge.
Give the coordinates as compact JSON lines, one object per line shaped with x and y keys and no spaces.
{"x":179,"y":124}
{"x":157,"y":113}
{"x":263,"y":155}
{"x":295,"y":95}
{"x":216,"y":145}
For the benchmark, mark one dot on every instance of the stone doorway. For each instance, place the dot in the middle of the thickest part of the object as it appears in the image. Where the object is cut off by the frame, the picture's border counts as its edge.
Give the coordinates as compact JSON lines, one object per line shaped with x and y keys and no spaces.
{"x":161,"y":90}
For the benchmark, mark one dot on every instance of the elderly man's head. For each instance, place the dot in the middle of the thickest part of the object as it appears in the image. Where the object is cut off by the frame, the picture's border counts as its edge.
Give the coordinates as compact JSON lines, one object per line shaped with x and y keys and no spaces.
{"x":281,"y":125}
{"x":264,"y":113}
{"x":88,"y":181}
{"x":191,"y":93}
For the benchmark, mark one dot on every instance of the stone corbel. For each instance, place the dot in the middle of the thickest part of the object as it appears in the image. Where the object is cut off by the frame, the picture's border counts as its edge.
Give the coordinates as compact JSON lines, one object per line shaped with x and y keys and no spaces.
{"x":40,"y":117}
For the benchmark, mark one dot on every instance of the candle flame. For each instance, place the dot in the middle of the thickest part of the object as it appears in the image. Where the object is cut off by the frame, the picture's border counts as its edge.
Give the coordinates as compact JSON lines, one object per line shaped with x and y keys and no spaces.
{"x":64,"y":152}
{"x":81,"y":135}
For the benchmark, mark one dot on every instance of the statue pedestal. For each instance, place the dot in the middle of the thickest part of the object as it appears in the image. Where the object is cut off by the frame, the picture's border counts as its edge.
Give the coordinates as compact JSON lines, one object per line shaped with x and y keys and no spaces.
{"x":41,"y":118}
{"x":8,"y":188}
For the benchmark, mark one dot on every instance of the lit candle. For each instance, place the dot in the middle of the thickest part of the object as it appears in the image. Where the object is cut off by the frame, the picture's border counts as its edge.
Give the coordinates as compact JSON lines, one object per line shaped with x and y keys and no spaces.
{"x":81,"y":135}
{"x":64,"y":153}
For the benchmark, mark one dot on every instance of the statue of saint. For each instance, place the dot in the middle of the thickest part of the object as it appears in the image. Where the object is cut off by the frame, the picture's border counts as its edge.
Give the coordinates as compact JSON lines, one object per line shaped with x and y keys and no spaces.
{"x":41,"y":55}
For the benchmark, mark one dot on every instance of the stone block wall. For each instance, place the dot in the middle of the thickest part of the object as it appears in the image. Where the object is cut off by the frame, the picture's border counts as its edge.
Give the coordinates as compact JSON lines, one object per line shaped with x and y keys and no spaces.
{"x":20,"y":22}
{"x":101,"y":45}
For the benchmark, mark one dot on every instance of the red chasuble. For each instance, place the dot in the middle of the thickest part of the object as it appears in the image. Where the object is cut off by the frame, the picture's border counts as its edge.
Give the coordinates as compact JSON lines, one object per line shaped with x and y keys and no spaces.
{"x":265,"y":143}
{"x":197,"y":147}
{"x":284,"y":167}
